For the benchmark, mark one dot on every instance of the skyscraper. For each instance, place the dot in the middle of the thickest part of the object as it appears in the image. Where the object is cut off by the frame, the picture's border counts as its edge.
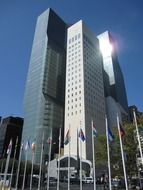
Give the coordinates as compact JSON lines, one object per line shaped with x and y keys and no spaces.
{"x":60,"y":52}
{"x":115,"y":92}
{"x":84,"y":100}
{"x":45,"y":85}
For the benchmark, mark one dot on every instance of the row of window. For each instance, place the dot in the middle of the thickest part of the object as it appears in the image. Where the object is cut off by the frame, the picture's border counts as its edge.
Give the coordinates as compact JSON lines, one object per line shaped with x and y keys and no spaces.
{"x":76,"y":37}
{"x":72,"y":100}
{"x":72,"y":107}
{"x":76,"y":112}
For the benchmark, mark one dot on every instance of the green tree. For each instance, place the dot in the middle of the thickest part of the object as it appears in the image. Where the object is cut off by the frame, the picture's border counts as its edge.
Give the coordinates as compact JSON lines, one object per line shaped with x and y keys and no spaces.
{"x":100,"y":151}
{"x":130,"y":148}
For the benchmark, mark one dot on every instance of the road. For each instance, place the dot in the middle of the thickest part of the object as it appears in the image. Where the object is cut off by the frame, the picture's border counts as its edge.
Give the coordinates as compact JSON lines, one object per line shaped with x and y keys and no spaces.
{"x":64,"y":186}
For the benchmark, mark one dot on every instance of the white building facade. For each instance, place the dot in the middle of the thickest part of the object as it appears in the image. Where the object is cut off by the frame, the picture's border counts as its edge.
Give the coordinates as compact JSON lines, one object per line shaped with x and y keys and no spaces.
{"x":84,"y":99}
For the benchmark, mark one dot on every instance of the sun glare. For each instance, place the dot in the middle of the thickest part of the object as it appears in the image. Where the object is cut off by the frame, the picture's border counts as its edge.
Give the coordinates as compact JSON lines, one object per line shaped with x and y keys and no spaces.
{"x":106,"y":48}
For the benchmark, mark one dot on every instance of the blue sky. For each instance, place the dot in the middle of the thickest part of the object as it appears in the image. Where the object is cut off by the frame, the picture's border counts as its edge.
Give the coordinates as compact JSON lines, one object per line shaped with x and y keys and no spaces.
{"x":17,"y":24}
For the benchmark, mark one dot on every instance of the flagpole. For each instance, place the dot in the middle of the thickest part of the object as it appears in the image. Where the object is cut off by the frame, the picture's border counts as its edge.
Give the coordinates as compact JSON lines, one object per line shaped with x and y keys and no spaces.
{"x":93,"y":154}
{"x":17,"y":176}
{"x":41,"y":161}
{"x":69,"y":163}
{"x":13,"y":162}
{"x":108,"y":153}
{"x":7,"y":163}
{"x":78,"y":159}
{"x":2,"y":162}
{"x":1,"y":170}
{"x":80,"y":162}
{"x":59,"y":160}
{"x":122,"y":154}
{"x":138,"y":136}
{"x":23,"y":184}
{"x":33,"y":154}
{"x":48,"y":166}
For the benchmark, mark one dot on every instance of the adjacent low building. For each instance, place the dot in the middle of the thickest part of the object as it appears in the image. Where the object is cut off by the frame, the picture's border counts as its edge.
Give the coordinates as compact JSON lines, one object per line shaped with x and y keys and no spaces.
{"x":10,"y":128}
{"x":138,"y":113}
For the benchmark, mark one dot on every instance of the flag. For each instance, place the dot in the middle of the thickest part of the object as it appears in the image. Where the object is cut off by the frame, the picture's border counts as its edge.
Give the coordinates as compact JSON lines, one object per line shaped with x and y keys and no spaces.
{"x":33,"y":146}
{"x":22,"y":146}
{"x":94,"y":130}
{"x":16,"y":143}
{"x":67,"y":138}
{"x":9,"y":147}
{"x":81,"y":135}
{"x":27,"y":146}
{"x":122,"y":132}
{"x":110,"y":135}
{"x":49,"y":141}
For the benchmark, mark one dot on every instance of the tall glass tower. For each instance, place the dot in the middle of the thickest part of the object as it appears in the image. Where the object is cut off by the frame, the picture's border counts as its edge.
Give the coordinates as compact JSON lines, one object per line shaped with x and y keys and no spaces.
{"x":115,"y":92}
{"x":44,"y":93}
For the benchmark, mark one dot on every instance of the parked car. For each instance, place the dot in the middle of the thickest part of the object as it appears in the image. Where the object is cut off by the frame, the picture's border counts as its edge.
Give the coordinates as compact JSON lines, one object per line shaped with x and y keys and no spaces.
{"x":118,"y":184}
{"x":6,"y":182}
{"x":115,"y":184}
{"x":88,"y":180}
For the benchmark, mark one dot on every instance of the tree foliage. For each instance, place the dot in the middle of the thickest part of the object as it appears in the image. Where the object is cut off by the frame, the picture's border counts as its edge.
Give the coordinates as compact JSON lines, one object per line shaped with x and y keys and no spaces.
{"x":129,"y":147}
{"x":101,"y":150}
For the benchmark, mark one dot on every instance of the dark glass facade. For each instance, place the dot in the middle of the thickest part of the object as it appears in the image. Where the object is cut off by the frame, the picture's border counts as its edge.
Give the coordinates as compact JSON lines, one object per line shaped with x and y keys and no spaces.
{"x":10,"y":128}
{"x":45,"y":93}
{"x":118,"y":90}
{"x":114,"y":86}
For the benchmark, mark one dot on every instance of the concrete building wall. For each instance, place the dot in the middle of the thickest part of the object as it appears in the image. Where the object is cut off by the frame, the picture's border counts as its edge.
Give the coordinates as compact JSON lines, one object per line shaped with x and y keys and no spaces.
{"x":84,"y":87}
